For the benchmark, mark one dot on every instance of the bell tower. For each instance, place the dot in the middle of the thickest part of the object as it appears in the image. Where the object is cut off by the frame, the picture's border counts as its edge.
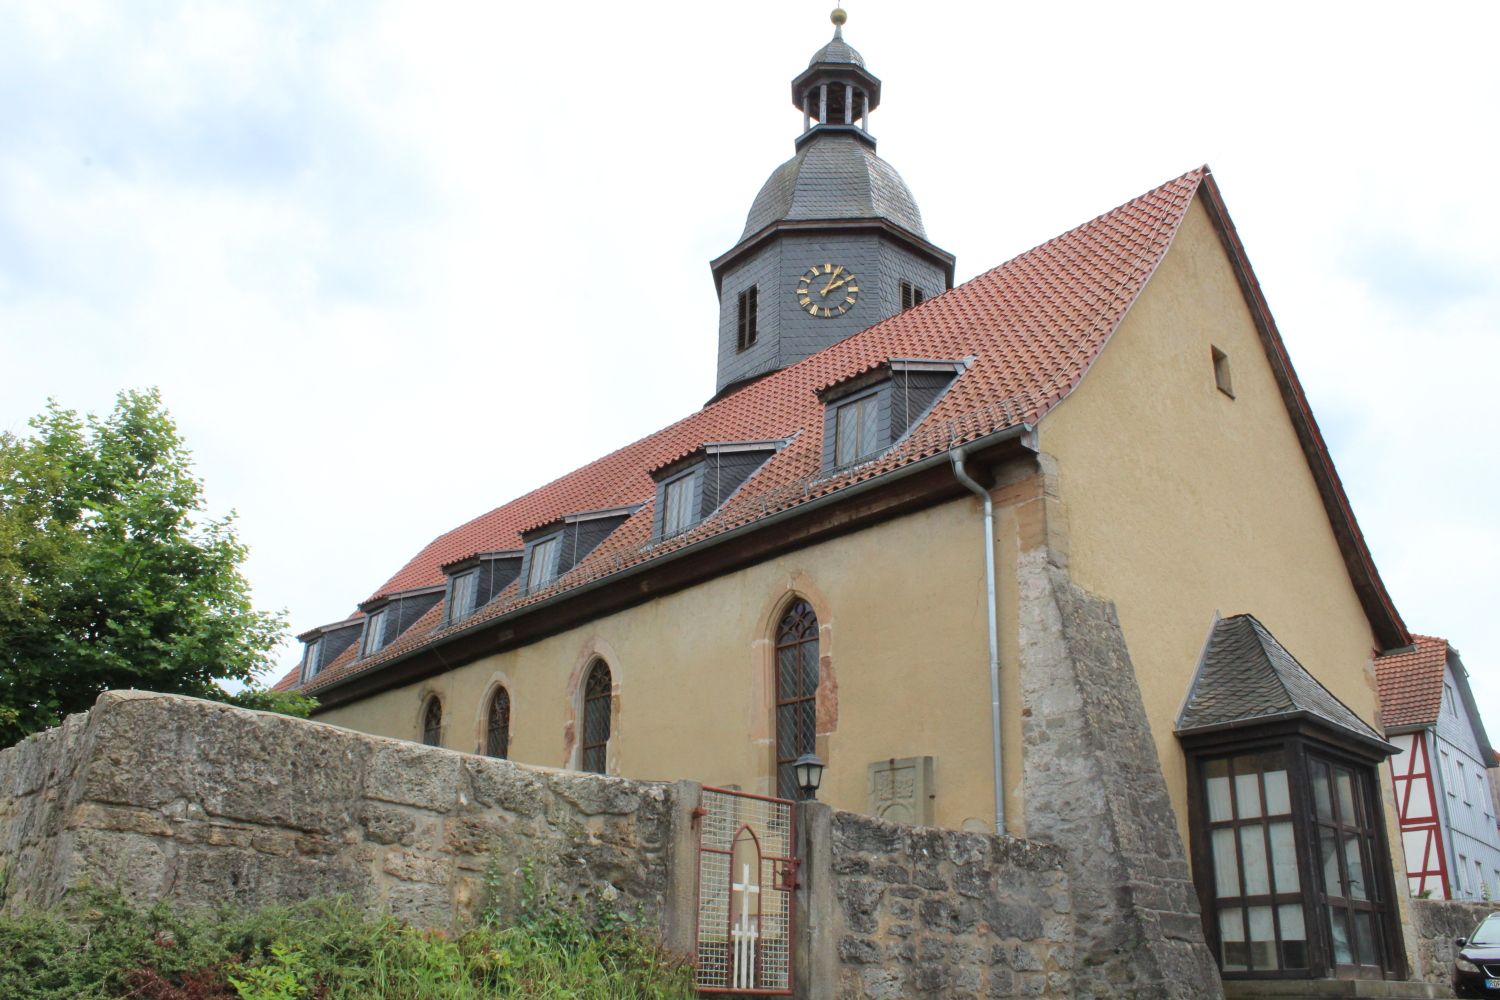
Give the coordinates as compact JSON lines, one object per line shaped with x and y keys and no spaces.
{"x":834,"y":242}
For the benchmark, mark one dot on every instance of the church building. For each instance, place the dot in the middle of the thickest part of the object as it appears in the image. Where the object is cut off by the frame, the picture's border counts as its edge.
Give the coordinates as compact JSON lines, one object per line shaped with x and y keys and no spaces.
{"x":1059,"y":552}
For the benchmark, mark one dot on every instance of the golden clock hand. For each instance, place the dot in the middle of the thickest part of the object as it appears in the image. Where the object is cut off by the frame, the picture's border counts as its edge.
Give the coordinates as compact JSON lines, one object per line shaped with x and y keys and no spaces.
{"x":831,"y":285}
{"x":837,"y":284}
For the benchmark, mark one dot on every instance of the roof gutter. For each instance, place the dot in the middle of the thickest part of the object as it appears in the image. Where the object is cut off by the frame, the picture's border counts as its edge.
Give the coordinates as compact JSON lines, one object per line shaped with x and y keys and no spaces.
{"x":769,"y":521}
{"x":957,"y":457}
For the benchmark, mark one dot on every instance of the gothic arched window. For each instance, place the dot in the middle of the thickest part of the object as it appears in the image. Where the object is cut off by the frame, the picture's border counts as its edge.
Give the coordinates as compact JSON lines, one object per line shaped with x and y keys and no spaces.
{"x":596,"y":707}
{"x":432,"y":723}
{"x":796,"y":692}
{"x":497,"y":725}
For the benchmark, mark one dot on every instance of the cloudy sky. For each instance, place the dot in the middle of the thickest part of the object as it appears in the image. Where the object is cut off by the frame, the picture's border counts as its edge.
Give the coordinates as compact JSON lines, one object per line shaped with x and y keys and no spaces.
{"x":392,"y":264}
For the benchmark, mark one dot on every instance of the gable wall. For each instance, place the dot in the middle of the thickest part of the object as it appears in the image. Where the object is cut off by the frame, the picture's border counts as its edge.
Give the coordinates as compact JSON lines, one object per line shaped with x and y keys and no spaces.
{"x":901,"y":612}
{"x":1182,"y":502}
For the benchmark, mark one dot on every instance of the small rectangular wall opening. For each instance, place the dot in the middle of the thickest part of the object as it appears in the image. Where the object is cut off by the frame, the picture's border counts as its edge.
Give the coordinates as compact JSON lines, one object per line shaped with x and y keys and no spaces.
{"x":749,"y":310}
{"x":1222,"y":376}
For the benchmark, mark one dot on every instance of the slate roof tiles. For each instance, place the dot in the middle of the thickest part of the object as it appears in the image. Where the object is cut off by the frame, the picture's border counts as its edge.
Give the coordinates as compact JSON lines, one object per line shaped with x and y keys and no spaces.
{"x":1247,"y":675}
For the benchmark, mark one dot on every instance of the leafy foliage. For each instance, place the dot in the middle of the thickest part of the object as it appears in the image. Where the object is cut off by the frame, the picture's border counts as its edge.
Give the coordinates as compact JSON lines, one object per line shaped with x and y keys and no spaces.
{"x":103,"y":948}
{"x":111,"y":573}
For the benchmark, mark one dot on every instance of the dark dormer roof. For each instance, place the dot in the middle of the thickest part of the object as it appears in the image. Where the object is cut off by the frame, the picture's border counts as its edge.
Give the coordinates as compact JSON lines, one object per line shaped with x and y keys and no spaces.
{"x":1247,"y":676}
{"x":837,"y":51}
{"x":835,"y":176}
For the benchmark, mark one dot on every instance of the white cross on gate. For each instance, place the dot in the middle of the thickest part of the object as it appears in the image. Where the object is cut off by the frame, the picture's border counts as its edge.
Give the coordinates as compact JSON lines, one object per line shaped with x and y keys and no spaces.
{"x":745,"y":934}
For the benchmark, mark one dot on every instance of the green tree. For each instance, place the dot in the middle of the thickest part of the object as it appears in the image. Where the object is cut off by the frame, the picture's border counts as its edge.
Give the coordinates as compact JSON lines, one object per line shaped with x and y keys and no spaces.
{"x":113,"y":576}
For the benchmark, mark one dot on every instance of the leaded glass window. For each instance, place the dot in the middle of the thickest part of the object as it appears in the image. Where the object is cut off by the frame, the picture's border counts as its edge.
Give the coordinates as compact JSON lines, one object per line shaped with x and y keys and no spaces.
{"x":796,"y":693}
{"x":497,"y":726}
{"x":432,"y":723}
{"x":596,"y":709}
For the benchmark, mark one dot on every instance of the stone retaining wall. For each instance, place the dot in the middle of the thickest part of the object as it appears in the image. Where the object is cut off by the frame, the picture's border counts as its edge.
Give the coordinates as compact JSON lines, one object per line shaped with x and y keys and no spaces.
{"x":191,"y":801}
{"x":922,"y":912}
{"x":195,"y":802}
{"x":1436,"y":922}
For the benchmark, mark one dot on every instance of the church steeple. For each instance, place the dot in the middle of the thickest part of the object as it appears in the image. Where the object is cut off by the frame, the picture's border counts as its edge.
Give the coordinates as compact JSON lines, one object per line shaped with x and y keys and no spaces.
{"x":836,"y":90}
{"x":833,"y":242}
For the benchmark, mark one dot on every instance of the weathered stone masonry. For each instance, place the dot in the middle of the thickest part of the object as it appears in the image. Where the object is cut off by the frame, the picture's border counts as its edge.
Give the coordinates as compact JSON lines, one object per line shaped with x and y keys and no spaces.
{"x":172,"y":798}
{"x":195,"y":802}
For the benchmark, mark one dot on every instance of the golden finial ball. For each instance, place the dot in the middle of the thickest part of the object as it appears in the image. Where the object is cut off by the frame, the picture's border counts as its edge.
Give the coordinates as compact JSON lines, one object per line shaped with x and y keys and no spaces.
{"x":838,"y":17}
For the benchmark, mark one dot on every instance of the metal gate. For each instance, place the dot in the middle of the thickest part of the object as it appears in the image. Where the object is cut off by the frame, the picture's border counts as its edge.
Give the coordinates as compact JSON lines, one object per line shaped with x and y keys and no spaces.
{"x":747,"y":877}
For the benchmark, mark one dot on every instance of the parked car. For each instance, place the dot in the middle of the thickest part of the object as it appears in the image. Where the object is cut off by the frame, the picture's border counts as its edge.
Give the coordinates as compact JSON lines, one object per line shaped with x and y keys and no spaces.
{"x":1476,"y":967}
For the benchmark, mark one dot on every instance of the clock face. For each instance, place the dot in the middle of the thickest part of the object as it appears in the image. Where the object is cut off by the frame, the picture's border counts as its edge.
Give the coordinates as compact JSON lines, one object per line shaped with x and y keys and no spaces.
{"x":827,"y":290}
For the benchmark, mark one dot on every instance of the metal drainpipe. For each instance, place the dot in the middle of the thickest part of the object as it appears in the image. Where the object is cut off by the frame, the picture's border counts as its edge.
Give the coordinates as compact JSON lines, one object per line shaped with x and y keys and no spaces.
{"x":956,"y":455}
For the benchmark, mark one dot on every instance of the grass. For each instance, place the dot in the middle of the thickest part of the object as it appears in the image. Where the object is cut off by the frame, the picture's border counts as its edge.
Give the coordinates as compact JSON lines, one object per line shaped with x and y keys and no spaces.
{"x":99,"y":946}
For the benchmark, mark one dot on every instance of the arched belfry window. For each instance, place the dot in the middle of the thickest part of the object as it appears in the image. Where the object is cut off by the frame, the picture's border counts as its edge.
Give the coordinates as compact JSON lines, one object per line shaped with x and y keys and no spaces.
{"x":432,"y":723}
{"x":497,"y":725}
{"x":796,"y":692}
{"x":596,"y":708}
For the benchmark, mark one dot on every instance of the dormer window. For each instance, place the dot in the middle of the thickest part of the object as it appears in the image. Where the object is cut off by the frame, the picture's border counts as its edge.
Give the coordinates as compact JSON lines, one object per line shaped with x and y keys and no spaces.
{"x":679,"y":513}
{"x":691,"y":488}
{"x":310,"y":660}
{"x":541,"y":562}
{"x":868,"y":413}
{"x":461,"y":592}
{"x":856,"y":430}
{"x":374,"y":632}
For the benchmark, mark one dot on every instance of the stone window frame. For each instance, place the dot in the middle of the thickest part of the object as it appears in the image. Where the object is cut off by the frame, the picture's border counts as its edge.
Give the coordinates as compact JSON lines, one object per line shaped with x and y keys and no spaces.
{"x":596,"y":706}
{"x":1304,"y":743}
{"x":498,"y":693}
{"x":785,"y":708}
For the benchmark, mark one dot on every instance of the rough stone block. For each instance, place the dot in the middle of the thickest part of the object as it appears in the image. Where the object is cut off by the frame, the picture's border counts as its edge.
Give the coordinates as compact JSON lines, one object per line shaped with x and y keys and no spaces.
{"x":412,"y":775}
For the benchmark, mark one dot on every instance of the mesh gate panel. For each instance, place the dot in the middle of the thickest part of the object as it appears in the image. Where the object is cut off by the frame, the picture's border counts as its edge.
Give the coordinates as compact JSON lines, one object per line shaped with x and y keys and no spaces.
{"x":745,"y":927}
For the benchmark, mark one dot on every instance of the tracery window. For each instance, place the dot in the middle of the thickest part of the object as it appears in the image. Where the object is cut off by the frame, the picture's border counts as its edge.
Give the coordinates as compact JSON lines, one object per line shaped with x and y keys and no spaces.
{"x":796,"y":693}
{"x":596,"y":709}
{"x":497,"y":725}
{"x":432,"y":723}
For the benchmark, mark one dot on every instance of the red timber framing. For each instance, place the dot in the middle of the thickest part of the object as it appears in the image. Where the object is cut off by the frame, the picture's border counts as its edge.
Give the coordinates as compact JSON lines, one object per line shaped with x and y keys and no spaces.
{"x":1417,"y":810}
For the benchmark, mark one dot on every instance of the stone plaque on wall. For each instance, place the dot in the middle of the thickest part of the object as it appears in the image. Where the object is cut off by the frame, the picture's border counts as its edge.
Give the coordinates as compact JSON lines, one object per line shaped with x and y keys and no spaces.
{"x":901,"y":789}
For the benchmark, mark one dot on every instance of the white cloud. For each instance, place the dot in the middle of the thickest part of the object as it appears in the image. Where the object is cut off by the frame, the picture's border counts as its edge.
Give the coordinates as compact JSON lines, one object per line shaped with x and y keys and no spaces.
{"x":393,"y":264}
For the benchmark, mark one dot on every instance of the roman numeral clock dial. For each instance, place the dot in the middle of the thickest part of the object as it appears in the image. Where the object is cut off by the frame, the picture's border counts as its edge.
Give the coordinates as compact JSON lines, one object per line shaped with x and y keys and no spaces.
{"x":827,"y":290}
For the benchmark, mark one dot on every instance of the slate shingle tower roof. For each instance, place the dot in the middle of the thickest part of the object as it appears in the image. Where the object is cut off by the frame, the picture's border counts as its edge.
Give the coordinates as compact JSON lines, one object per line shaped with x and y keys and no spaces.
{"x":1246,"y":675}
{"x":836,"y":177}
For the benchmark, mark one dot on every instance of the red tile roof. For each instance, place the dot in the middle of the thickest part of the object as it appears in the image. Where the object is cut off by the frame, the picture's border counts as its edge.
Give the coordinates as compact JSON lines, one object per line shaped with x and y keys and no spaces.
{"x":1033,"y":326}
{"x":1411,"y":683}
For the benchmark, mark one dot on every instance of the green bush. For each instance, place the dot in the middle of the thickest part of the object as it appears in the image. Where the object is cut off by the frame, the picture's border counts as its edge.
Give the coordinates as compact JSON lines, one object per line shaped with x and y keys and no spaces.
{"x":99,"y":946}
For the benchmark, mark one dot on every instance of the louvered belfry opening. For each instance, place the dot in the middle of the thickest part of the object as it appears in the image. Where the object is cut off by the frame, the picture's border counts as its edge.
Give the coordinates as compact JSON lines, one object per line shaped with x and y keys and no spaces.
{"x":596,"y":708}
{"x":796,"y":693}
{"x":497,"y":727}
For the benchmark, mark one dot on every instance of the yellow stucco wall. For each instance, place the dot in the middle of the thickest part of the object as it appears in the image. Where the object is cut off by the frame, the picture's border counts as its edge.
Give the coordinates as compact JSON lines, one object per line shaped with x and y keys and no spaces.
{"x":900,"y":608}
{"x":1182,"y":501}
